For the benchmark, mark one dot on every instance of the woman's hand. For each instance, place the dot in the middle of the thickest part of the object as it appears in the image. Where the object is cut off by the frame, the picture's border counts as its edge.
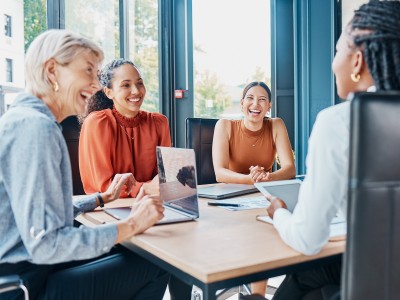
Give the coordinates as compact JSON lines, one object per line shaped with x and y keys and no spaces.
{"x":144,"y":214}
{"x":149,"y":188}
{"x":275,"y":204}
{"x":147,"y":212}
{"x":114,"y":190}
{"x":257,"y":174}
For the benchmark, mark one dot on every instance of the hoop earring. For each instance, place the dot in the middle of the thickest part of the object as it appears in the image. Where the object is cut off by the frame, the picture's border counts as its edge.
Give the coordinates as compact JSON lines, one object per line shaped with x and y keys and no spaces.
{"x":355,"y":78}
{"x":56,"y":87}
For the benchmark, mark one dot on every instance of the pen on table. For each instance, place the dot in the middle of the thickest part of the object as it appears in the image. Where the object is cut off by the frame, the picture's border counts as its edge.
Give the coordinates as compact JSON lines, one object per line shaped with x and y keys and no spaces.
{"x":224,"y":204}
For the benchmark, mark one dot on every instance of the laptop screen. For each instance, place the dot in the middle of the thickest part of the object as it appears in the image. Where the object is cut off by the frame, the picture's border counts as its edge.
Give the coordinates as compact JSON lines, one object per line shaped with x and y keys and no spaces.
{"x":177,"y":176}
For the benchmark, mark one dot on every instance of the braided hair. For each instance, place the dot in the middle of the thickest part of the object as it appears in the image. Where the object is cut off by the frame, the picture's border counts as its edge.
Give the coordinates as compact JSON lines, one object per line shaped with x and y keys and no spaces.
{"x":100,"y":101}
{"x":375,"y":29}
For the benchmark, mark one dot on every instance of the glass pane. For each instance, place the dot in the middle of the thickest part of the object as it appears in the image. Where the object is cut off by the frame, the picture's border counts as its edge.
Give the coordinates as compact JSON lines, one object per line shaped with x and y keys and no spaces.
{"x":22,"y":21}
{"x":143,"y":43}
{"x":348,"y":8}
{"x":229,"y":52}
{"x":97,"y":20}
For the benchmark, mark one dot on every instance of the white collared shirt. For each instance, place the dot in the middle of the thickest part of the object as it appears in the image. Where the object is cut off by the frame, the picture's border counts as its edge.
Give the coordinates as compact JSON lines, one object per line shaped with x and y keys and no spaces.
{"x":323,"y":193}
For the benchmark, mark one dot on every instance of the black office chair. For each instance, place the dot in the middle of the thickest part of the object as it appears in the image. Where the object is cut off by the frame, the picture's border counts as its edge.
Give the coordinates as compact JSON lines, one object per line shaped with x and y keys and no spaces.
{"x":372,"y":258}
{"x":12,"y":282}
{"x":199,"y":136}
{"x":71,"y":132}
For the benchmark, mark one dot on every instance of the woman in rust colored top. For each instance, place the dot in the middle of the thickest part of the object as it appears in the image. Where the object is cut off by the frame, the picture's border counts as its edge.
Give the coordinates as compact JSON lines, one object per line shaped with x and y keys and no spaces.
{"x":244,"y":150}
{"x":116,"y":135}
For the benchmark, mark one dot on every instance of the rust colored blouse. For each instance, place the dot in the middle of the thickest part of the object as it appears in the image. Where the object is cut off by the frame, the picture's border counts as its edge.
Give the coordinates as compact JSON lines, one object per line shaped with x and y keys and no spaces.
{"x":250,"y":148}
{"x":111,"y":143}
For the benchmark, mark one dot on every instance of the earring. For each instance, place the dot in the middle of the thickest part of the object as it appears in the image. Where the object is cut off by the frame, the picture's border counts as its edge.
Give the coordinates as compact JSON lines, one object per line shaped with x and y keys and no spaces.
{"x":56,"y":87}
{"x":355,"y":78}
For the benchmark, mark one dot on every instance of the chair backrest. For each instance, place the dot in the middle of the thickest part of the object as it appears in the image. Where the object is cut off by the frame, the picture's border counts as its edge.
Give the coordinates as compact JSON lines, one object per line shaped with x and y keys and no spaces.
{"x":71,"y":131}
{"x":372,"y":258}
{"x":199,"y":136}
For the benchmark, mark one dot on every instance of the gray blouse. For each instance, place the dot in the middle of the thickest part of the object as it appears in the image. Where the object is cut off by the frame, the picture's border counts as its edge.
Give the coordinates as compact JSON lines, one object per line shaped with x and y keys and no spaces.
{"x":36,"y":208}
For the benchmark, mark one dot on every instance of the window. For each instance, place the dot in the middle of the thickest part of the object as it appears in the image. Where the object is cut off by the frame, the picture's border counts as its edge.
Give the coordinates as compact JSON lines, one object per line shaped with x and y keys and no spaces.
{"x":143,"y":47}
{"x":228,"y":53}
{"x":7,"y":25}
{"x":348,"y":8}
{"x":9,"y":70}
{"x":97,"y":20}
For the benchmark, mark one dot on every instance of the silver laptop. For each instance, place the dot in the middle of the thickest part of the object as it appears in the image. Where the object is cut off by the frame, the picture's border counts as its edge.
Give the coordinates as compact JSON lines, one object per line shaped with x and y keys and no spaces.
{"x":226,"y":190}
{"x":178,"y":186}
{"x":287,"y":190}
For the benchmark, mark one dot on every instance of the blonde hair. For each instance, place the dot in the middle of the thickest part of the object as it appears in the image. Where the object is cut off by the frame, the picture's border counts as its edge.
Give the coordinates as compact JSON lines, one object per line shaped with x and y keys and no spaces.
{"x":61,"y":45}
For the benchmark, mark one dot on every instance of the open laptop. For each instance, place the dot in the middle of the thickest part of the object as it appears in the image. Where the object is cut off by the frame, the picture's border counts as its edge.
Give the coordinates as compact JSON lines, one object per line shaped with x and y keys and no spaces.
{"x":178,"y":186}
{"x":287,"y":190}
{"x":226,"y":190}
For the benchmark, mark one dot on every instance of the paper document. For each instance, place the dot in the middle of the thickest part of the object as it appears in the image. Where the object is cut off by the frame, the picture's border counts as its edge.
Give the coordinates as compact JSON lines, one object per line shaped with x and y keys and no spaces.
{"x":246,"y":203}
{"x":338,"y":225}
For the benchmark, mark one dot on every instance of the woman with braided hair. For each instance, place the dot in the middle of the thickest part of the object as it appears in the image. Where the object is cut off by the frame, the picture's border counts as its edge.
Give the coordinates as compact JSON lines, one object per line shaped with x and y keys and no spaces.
{"x":367,"y":59}
{"x":117,"y":135}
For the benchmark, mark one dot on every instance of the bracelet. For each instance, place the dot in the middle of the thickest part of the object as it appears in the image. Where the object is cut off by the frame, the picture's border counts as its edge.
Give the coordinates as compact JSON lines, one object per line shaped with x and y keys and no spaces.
{"x":100,"y":198}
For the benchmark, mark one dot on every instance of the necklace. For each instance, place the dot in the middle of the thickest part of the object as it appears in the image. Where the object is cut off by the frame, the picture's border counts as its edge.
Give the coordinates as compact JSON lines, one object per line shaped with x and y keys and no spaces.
{"x":131,"y":137}
{"x":257,"y":138}
{"x":252,"y":137}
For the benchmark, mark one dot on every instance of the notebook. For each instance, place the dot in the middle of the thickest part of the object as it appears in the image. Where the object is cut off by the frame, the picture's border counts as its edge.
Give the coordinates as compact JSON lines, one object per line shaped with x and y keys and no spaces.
{"x":178,"y":186}
{"x":226,"y":190}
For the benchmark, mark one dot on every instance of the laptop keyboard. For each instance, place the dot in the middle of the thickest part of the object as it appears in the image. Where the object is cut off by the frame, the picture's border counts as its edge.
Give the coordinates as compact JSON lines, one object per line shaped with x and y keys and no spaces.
{"x":189,"y":203}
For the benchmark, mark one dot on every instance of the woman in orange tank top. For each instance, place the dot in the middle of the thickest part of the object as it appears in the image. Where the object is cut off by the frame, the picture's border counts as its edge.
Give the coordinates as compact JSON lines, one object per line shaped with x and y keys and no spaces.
{"x":244,"y":150}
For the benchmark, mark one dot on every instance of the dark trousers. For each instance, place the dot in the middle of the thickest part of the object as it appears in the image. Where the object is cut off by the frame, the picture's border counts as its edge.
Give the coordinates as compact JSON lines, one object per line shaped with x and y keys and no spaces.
{"x":319,"y":283}
{"x":121,"y":274}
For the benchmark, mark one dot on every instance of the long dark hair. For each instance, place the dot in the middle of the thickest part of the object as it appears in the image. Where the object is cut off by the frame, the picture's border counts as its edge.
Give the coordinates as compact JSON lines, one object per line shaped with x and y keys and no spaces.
{"x":100,"y":101}
{"x":257,"y":83}
{"x":379,"y":39}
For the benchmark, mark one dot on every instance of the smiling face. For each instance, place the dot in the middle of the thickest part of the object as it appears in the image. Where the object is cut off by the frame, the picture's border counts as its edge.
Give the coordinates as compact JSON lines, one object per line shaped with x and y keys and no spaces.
{"x":127,"y":90}
{"x":77,"y":82}
{"x":255,"y":104}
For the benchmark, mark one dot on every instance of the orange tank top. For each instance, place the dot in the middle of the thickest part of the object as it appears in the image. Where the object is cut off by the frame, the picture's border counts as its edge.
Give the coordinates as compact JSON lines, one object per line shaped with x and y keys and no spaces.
{"x":250,"y":148}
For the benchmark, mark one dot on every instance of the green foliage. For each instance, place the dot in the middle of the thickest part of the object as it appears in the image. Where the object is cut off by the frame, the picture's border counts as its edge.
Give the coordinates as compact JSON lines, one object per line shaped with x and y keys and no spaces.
{"x":259,"y":75}
{"x":210,"y":97}
{"x":34,"y":20}
{"x":145,"y":49}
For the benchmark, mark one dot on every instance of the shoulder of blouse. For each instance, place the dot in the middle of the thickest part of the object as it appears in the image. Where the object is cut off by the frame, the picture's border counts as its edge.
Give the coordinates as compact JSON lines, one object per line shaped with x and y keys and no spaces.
{"x":155,"y":117}
{"x":100,"y":116}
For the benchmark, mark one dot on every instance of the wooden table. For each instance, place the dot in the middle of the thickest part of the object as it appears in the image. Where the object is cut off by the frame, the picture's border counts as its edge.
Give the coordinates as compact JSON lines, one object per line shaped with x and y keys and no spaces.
{"x":221,"y":249}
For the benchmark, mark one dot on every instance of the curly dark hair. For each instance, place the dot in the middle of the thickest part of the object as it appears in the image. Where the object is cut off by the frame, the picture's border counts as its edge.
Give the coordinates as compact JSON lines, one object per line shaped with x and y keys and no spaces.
{"x":375,"y":29}
{"x":100,"y":101}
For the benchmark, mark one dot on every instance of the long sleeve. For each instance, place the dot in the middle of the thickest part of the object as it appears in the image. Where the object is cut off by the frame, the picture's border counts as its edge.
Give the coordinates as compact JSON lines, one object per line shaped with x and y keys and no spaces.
{"x":95,"y":153}
{"x":36,"y":195}
{"x":156,"y":132}
{"x":324,"y":190}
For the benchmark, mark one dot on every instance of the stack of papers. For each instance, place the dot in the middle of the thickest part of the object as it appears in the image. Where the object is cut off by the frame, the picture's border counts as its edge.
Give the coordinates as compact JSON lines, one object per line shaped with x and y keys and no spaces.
{"x":245,"y":203}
